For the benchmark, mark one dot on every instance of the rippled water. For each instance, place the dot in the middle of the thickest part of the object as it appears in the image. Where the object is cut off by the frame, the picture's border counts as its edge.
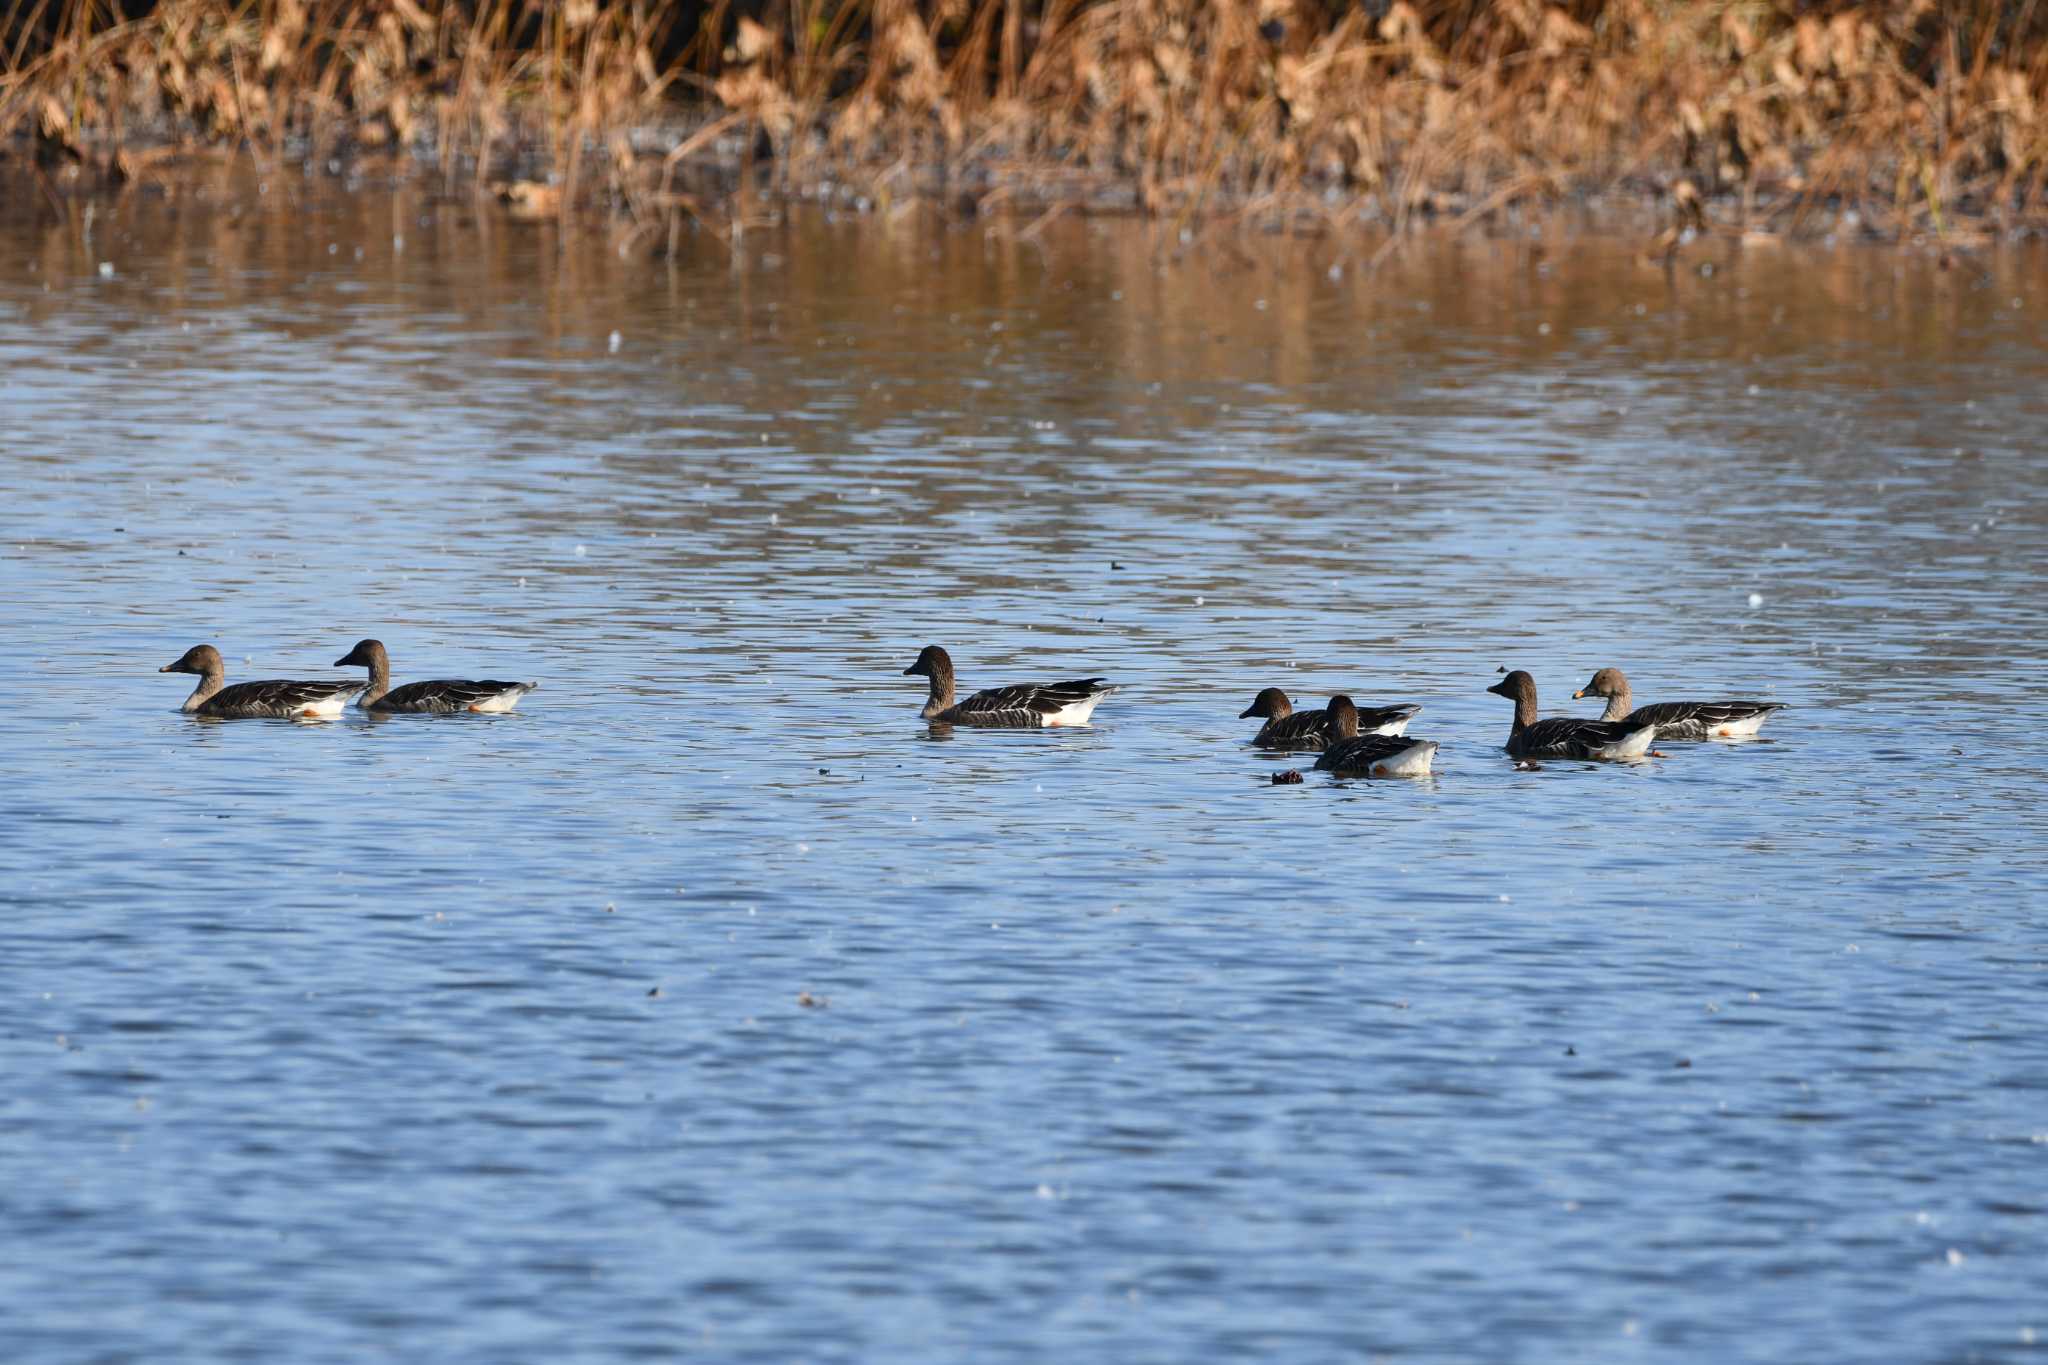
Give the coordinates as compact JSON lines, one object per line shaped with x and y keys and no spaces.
{"x":486,"y":1038}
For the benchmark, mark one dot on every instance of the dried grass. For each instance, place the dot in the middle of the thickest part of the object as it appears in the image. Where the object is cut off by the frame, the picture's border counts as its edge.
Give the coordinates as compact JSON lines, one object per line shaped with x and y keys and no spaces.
{"x":1305,"y":115}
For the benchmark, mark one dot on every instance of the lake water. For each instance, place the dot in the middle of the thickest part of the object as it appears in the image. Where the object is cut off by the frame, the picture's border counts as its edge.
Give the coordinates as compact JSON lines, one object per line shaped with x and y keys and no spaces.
{"x":486,"y":1038}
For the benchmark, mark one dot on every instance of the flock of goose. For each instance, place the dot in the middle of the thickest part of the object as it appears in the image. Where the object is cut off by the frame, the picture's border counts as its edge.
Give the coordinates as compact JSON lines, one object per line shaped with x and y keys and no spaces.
{"x":323,"y":698}
{"x":1373,"y":742}
{"x":1351,"y":740}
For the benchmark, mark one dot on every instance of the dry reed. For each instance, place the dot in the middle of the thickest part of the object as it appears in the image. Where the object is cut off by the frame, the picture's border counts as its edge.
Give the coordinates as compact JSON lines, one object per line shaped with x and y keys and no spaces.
{"x":1301,"y":114}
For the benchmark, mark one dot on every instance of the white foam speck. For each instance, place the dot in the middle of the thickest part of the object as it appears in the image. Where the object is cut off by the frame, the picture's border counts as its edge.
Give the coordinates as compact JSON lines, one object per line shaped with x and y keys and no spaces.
{"x":582,"y":550}
{"x":106,"y":270}
{"x":1756,"y":599}
{"x":613,"y":342}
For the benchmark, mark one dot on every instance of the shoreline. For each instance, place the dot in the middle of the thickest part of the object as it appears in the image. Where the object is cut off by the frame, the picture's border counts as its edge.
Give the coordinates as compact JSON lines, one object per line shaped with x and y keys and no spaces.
{"x":726,"y":193}
{"x":1872,"y":123}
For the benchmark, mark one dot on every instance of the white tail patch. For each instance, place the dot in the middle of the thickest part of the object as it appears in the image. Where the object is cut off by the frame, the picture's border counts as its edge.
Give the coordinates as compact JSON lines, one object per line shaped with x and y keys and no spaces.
{"x":1393,"y":728}
{"x":1634,"y":745}
{"x":327,"y":708}
{"x":1412,"y":761}
{"x":1741,"y":729}
{"x":503,"y":702}
{"x":1075,"y":713}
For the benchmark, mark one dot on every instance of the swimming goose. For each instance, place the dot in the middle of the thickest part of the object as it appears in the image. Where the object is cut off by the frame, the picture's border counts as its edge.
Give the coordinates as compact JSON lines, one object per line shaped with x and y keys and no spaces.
{"x":1026,"y":704}
{"x":276,"y":698}
{"x":1566,"y":736}
{"x":440,"y":696}
{"x":1287,"y":728}
{"x":1679,"y":719}
{"x":1370,"y":755}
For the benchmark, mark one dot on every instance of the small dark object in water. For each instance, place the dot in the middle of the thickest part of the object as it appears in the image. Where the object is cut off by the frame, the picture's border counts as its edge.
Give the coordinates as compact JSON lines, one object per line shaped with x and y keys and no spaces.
{"x":654,"y":994}
{"x":812,"y":1002}
{"x":1287,"y":779}
{"x":1684,"y":1063}
{"x":824,"y":772}
{"x":1570,"y":1051}
{"x":1114,"y":565}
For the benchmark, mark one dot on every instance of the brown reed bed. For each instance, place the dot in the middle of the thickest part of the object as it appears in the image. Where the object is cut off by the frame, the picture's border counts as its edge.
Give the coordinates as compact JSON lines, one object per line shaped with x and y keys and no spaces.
{"x":1903,"y":119}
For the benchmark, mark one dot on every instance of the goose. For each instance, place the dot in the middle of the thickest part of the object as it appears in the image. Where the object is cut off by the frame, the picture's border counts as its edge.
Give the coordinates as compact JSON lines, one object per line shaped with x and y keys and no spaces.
{"x":1370,"y":755}
{"x":1679,"y":719}
{"x":1025,"y":704}
{"x":1287,"y":728}
{"x":275,"y":698}
{"x":1566,"y":736}
{"x":440,"y":696}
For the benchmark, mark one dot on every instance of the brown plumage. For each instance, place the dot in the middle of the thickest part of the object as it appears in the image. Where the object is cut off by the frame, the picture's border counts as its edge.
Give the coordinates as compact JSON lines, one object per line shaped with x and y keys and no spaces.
{"x":1564,"y":736}
{"x":1370,"y":755}
{"x":438,"y":696}
{"x":1678,"y":719}
{"x":272,"y":698}
{"x":1027,"y":705}
{"x":1287,"y":728}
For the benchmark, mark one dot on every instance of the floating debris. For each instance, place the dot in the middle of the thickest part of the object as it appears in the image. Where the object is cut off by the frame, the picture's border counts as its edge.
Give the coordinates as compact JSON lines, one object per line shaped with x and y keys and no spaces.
{"x":1288,"y":778}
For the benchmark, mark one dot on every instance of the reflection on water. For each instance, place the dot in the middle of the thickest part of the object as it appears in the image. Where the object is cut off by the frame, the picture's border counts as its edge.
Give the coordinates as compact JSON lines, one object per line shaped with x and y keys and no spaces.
{"x":484,"y":1032}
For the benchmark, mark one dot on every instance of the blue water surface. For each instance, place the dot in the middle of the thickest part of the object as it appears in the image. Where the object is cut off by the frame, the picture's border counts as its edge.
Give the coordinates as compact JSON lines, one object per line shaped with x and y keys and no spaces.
{"x":711,"y":1006}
